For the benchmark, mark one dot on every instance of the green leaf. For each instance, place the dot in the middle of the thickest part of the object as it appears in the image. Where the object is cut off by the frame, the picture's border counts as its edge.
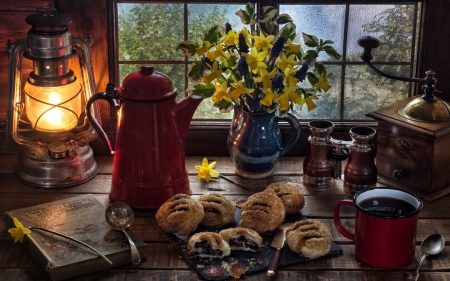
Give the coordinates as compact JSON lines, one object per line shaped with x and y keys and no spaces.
{"x":310,"y":56}
{"x":188,"y":47}
{"x":247,"y":15}
{"x":332,"y":52}
{"x":250,"y":8}
{"x":327,"y":42}
{"x":288,"y":31}
{"x":196,"y":72}
{"x":223,"y":104}
{"x":204,"y":90}
{"x":267,"y":14}
{"x":312,"y":78}
{"x":283,"y":18}
{"x":212,"y":35}
{"x":320,"y":67}
{"x":310,"y":40}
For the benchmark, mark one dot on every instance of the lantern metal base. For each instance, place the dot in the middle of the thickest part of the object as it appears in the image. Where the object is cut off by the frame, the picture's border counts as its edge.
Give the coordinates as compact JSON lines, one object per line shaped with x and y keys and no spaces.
{"x":38,"y":168}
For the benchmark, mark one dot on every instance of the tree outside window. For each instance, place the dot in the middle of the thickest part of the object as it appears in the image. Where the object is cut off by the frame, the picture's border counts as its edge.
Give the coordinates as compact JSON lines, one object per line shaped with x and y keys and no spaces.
{"x":148,"y":33}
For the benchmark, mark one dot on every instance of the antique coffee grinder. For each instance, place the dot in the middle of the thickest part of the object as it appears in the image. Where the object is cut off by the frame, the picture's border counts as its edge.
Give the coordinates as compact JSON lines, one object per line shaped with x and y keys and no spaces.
{"x":413,"y":136}
{"x":323,"y":162}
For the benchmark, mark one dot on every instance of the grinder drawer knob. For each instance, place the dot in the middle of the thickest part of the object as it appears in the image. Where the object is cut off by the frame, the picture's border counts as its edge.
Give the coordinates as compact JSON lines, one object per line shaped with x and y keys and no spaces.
{"x":399,"y":174}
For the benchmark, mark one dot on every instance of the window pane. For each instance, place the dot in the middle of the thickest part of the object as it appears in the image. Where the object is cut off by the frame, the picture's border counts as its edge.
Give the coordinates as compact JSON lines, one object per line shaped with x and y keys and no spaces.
{"x":328,"y":104}
{"x":150,"y":32}
{"x":366,"y":91}
{"x":204,"y":16}
{"x":391,"y":24}
{"x":324,"y":21}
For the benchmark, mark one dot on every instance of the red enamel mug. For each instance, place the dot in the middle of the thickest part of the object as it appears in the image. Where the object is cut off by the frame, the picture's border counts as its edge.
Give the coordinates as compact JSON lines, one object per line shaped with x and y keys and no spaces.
{"x":385,"y":226}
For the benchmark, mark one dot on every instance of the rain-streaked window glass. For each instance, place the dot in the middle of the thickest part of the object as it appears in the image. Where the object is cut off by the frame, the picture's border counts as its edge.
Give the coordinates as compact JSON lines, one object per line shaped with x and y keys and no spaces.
{"x":148,"y":33}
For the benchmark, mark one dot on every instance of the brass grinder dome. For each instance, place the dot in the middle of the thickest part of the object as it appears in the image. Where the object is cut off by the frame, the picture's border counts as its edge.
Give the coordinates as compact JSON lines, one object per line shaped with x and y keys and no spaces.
{"x":426,"y":108}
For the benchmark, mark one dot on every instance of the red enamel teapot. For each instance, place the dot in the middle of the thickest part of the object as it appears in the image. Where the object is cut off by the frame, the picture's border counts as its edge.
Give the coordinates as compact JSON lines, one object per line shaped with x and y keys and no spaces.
{"x":149,"y":157}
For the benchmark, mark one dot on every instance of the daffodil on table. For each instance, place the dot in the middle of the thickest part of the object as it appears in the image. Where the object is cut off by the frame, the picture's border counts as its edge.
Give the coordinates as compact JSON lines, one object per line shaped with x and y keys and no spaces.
{"x":19,"y":231}
{"x":206,"y":172}
{"x":256,"y":68}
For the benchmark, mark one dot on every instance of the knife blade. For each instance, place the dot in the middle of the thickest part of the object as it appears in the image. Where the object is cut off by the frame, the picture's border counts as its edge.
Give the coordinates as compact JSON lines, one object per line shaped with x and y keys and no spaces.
{"x":277,"y":243}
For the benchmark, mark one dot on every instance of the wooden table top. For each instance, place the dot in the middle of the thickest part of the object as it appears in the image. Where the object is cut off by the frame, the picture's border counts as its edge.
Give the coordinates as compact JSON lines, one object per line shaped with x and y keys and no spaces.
{"x":163,"y":261}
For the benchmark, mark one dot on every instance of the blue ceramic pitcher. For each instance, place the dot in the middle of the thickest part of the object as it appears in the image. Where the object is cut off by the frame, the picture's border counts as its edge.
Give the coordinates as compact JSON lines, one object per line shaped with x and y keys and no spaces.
{"x":254,"y":141}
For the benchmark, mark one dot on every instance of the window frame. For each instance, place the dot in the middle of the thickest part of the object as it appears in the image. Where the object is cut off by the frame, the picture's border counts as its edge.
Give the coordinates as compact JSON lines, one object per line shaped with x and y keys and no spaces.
{"x":217,"y":130}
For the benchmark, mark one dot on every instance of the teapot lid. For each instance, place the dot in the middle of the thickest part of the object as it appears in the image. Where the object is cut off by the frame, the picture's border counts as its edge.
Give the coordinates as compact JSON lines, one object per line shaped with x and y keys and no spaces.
{"x":147,"y":85}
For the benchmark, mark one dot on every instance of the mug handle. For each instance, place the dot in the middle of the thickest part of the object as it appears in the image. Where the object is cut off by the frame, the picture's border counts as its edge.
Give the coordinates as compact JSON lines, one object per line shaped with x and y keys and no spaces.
{"x":296,"y":130}
{"x":337,"y":220}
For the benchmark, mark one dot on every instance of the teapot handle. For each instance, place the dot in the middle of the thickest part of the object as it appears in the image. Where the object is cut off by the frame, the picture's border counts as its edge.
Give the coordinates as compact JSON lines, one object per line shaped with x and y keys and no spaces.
{"x":296,"y":130}
{"x":109,"y":97}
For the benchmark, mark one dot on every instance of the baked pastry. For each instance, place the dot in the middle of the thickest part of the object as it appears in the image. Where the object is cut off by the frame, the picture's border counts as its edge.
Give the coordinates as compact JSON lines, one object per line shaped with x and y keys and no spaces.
{"x":219,"y":210}
{"x":262,"y":212}
{"x":180,"y":214}
{"x":290,"y":195}
{"x":208,"y":245}
{"x":309,"y":238}
{"x":240,"y":238}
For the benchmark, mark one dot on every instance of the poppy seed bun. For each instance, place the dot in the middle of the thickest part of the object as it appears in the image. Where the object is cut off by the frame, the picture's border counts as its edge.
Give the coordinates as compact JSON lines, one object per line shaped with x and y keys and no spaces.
{"x":219,"y":210}
{"x":180,"y":214}
{"x":262,"y":212}
{"x":208,"y":245}
{"x":290,"y":195}
{"x":309,"y":238}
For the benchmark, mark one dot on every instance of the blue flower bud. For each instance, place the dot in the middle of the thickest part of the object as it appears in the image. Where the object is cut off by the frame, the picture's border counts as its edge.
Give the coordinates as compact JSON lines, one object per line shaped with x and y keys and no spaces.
{"x":301,"y":73}
{"x":243,"y":47}
{"x":242,"y":66}
{"x":252,"y":104}
{"x":227,"y":28}
{"x":277,"y":81}
{"x":206,"y":61}
{"x":278,"y":46}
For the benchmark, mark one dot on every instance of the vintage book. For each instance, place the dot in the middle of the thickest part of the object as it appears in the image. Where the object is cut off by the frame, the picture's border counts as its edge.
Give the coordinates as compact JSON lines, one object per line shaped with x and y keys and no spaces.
{"x":82,"y":218}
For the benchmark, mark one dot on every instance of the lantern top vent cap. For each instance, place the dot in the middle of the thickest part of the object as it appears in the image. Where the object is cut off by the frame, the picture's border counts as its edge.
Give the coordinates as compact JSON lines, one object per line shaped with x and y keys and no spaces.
{"x":48,"y":17}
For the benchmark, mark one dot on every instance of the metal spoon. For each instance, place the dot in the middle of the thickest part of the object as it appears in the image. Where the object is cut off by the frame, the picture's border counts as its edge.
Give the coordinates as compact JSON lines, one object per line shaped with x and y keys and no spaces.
{"x":120,"y":216}
{"x":432,"y":245}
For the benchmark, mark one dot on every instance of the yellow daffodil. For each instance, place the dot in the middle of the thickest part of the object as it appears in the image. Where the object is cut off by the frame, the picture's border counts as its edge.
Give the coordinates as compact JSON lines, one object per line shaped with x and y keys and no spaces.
{"x":290,"y":90}
{"x":293,"y":48}
{"x":268,"y":97}
{"x":203,"y":49}
{"x":221,"y":92}
{"x":285,"y":62}
{"x":239,"y":89}
{"x":322,"y":84}
{"x":289,"y":73}
{"x":283,"y":101}
{"x":216,"y":73}
{"x":263,"y":42}
{"x":218,"y":54}
{"x":255,"y":60}
{"x":19,"y":231}
{"x":205,"y":171}
{"x":310,"y":103}
{"x":265,"y":77}
{"x":230,"y":38}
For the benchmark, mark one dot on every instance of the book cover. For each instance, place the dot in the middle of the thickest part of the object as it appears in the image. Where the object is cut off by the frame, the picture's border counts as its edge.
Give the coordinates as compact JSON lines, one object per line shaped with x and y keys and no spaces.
{"x":82,"y":218}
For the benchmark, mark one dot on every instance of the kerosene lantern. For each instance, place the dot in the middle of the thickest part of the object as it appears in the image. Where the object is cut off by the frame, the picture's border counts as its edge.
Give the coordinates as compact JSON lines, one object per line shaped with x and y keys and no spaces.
{"x":56,"y":153}
{"x":413,"y":137}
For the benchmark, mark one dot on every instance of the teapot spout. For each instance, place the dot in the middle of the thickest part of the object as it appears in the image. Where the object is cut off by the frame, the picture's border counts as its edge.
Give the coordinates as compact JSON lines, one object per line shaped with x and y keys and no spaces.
{"x":184,"y":111}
